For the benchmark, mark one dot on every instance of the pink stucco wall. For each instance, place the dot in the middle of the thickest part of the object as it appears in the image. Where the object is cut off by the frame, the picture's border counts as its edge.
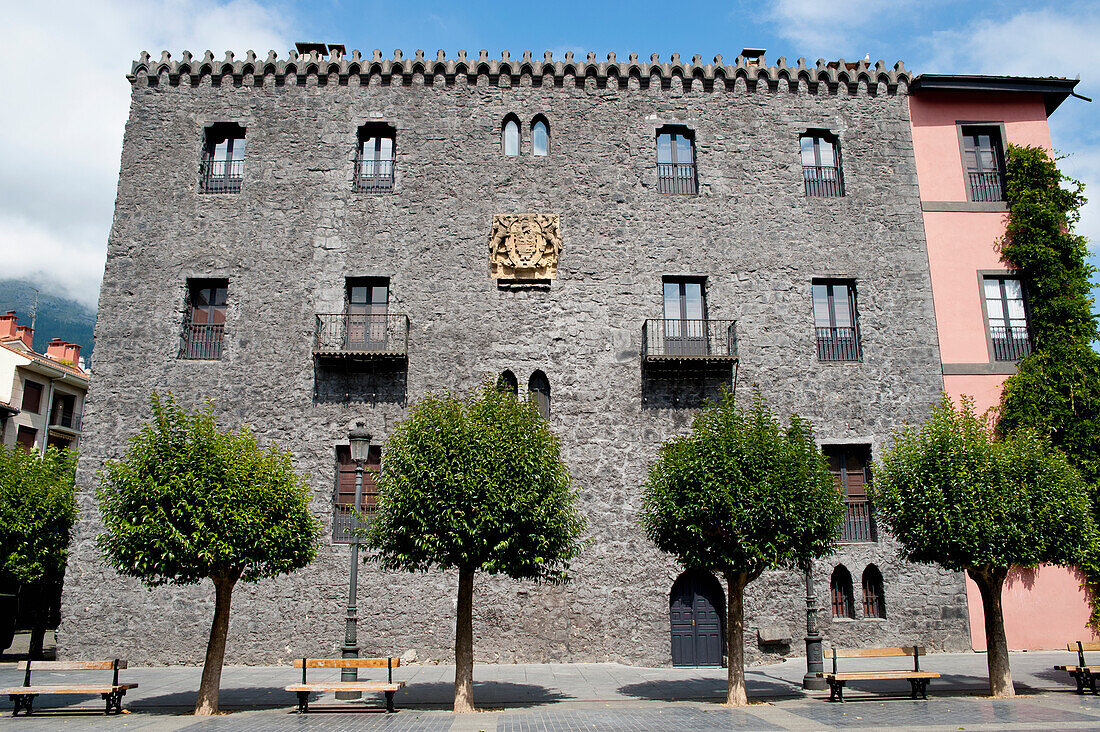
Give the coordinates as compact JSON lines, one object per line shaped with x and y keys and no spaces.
{"x":1044,"y":608}
{"x":985,"y":390}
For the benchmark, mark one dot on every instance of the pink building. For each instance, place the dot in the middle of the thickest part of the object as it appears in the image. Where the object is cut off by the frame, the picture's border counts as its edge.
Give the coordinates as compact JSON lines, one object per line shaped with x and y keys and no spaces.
{"x":961,"y":128}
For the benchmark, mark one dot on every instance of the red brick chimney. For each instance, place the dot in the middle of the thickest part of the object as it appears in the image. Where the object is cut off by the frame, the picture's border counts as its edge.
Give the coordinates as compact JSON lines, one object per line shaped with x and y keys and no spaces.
{"x":25,"y":334}
{"x":7,"y":325}
{"x":55,"y":349}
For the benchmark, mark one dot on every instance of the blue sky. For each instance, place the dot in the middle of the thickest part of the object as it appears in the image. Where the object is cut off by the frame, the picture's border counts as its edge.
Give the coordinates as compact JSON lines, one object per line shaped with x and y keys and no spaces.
{"x":59,"y":155}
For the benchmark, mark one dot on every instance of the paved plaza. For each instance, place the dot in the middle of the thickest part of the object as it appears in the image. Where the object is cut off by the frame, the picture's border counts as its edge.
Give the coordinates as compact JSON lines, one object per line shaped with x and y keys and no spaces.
{"x":553,"y":697}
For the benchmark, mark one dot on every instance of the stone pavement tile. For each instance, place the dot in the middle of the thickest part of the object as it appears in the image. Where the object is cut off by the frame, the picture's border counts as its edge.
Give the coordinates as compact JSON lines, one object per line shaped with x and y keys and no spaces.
{"x":620,"y":718}
{"x":951,"y":712}
{"x":338,"y":721}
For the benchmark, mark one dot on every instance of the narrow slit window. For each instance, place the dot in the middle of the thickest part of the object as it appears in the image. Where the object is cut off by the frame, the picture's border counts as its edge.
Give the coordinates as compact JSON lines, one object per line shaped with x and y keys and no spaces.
{"x":539,"y":389}
{"x":540,"y":138}
{"x":511,"y":137}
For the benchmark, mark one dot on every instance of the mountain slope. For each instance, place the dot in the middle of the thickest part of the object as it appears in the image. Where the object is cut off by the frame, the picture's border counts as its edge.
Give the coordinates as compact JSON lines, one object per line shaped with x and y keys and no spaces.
{"x":58,"y":317}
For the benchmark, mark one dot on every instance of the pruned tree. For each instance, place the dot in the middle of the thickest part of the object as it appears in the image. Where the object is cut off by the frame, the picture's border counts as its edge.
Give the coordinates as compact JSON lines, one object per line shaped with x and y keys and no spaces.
{"x":37,"y":510}
{"x":188,"y":502}
{"x":475,"y":484}
{"x":953,"y":493}
{"x":738,"y":495}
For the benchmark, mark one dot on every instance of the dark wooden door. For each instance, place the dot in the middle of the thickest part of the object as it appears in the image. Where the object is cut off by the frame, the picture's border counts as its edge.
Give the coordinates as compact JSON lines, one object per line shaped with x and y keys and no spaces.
{"x":695,"y":611}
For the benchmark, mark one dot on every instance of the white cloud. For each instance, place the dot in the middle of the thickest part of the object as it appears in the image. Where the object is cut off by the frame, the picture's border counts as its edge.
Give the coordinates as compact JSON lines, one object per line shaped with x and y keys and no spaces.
{"x":62,"y":135}
{"x":821,"y":30}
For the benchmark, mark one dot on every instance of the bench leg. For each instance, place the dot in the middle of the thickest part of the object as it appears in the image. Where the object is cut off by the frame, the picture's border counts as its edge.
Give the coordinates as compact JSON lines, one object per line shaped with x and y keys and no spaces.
{"x":1079,"y":679}
{"x":389,"y":701}
{"x":1091,"y":681}
{"x":836,"y":691}
{"x":914,"y":685}
{"x":113,"y":702}
{"x":303,"y":702}
{"x":22,"y":701}
{"x":920,"y":688}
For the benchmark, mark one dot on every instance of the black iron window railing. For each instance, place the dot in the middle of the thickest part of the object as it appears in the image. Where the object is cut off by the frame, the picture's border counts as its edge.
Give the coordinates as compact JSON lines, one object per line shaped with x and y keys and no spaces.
{"x":66,"y":418}
{"x":857,"y":524}
{"x":202,"y":342}
{"x":838,"y":344}
{"x":347,"y":525}
{"x":1009,"y":344}
{"x":677,"y":178}
{"x":822,"y":180}
{"x":689,"y":339}
{"x":351,"y":333}
{"x":221,"y":176}
{"x":986,"y":185}
{"x":374,"y":175}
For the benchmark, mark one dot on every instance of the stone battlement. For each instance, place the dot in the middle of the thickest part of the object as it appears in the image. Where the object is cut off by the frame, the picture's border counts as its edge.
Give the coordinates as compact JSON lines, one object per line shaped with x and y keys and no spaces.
{"x":506,"y":71}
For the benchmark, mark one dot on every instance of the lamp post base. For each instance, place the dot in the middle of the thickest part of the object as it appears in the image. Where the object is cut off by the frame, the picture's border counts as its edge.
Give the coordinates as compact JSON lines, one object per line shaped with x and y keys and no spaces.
{"x":349,"y":674}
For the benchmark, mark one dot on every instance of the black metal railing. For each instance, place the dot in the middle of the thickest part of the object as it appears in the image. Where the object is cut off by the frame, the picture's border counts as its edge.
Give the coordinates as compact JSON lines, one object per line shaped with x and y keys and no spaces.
{"x":986,"y":186}
{"x":69,"y":419}
{"x":374,"y":175}
{"x":837,"y":344}
{"x":822,"y":180}
{"x":858,"y":524}
{"x":689,"y":339}
{"x":221,"y":176}
{"x":677,"y":178}
{"x":202,"y":342}
{"x":352,"y":334}
{"x":1009,"y":344}
{"x":345,"y":523}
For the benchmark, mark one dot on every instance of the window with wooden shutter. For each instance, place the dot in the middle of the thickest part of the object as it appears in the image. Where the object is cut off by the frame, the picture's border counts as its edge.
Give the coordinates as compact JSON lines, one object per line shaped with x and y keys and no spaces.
{"x":345,"y":478}
{"x":840,"y":587}
{"x":874,"y":600}
{"x":851,"y":469}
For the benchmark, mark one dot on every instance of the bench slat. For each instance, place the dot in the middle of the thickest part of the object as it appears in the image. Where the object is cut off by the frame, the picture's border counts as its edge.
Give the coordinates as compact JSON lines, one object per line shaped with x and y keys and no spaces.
{"x":1071,"y":669}
{"x":872,"y":652}
{"x":872,"y":675}
{"x":1084,"y":646}
{"x":58,"y":689}
{"x":346,"y":686}
{"x":348,"y":662}
{"x":69,"y":665}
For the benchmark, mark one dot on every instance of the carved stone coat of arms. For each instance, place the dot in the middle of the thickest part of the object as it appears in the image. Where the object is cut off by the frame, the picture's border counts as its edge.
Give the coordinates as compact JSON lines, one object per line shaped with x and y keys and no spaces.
{"x":524,"y":246}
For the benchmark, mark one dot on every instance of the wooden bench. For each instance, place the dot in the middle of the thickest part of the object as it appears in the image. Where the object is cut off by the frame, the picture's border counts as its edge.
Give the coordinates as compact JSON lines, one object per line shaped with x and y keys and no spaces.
{"x":917,"y":679}
{"x":23,"y":696}
{"x":1082,"y":673}
{"x":307,"y":687}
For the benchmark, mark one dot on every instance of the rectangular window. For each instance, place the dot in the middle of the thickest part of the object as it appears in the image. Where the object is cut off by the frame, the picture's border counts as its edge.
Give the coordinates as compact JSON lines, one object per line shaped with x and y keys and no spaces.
{"x":64,"y":412}
{"x":835,"y":322}
{"x":1007,"y":317}
{"x":983,"y":161}
{"x":685,"y":324}
{"x":851,"y":469}
{"x":204,"y":329}
{"x":367,"y":309}
{"x":32,"y":396}
{"x":374,"y":161}
{"x":343,"y":516}
{"x":222,"y":168}
{"x":676,"y":161}
{"x":821,"y":164}
{"x":25,"y":437}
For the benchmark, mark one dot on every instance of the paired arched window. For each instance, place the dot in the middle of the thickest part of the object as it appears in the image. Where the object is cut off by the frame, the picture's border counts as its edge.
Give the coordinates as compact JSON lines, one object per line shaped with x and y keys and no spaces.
{"x":539,"y":388}
{"x":840,"y":587}
{"x":540,"y":136}
{"x":507,"y":383}
{"x":510,"y":136}
{"x":874,"y":597}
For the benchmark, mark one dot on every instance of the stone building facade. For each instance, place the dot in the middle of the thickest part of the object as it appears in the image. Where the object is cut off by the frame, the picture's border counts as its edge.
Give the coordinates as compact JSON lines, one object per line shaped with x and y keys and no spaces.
{"x":283,"y":235}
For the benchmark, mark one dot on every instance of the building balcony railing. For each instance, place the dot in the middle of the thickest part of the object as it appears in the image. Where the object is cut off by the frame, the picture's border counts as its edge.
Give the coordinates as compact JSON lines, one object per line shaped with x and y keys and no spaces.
{"x":858,"y":524}
{"x":202,"y":341}
{"x":986,"y":186}
{"x":221,"y":176}
{"x":1009,"y":344}
{"x":345,"y":523}
{"x":679,"y":340}
{"x":66,"y":419}
{"x":677,"y":178}
{"x":822,"y":180}
{"x":837,"y":344}
{"x":374,"y":176}
{"x":344,"y":335}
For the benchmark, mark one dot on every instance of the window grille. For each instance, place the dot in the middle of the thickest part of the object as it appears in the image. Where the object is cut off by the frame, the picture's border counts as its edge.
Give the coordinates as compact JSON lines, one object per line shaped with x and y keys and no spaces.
{"x":222,"y":166}
{"x":676,"y":161}
{"x":836,"y":324}
{"x":204,"y":329}
{"x":1007,"y":316}
{"x":375,"y":158}
{"x":983,"y":160}
{"x":821,"y":174}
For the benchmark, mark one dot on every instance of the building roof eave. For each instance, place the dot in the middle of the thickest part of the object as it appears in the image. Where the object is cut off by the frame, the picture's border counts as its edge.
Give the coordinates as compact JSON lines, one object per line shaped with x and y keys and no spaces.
{"x":1054,"y":90}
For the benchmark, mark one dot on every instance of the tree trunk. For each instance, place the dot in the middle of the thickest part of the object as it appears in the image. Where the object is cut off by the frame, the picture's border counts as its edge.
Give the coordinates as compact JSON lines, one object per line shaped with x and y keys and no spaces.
{"x":736,"y":695}
{"x":990,"y":583}
{"x":38,"y":638}
{"x":215,"y":648}
{"x":464,"y":643}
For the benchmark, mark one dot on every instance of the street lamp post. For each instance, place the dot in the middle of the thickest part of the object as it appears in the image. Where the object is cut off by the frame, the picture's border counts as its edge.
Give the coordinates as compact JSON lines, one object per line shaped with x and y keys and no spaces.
{"x":815,"y":664}
{"x":359,"y":441}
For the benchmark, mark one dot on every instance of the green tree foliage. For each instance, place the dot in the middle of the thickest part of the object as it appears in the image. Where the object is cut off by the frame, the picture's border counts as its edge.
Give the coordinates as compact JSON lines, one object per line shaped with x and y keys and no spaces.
{"x":189,"y":502}
{"x":955,"y":494}
{"x":737,"y":495}
{"x":475,"y":484}
{"x":37,"y":510}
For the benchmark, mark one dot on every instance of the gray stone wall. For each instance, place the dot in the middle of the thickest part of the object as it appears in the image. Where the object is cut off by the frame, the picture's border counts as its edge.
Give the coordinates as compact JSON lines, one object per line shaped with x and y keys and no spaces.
{"x":289,"y":239}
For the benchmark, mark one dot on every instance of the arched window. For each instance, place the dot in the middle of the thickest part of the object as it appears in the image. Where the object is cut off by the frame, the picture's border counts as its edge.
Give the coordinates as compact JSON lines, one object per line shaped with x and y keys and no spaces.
{"x":539,"y":387}
{"x":840,"y":586}
{"x":540,"y":137}
{"x":874,"y":597}
{"x":507,"y":383}
{"x":511,"y":136}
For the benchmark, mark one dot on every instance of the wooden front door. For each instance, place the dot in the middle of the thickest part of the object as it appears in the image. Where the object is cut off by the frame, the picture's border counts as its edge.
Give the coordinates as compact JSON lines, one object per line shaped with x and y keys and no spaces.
{"x":696,"y":607}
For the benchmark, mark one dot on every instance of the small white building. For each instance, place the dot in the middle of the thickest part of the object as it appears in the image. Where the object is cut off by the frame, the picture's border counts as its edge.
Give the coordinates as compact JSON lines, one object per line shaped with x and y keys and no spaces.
{"x":41,"y":395}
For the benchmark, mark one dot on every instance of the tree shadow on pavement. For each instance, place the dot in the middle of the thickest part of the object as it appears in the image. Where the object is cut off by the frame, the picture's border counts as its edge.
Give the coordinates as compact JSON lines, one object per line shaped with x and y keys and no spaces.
{"x":708,"y":689}
{"x":245,"y":697}
{"x":487,"y":695}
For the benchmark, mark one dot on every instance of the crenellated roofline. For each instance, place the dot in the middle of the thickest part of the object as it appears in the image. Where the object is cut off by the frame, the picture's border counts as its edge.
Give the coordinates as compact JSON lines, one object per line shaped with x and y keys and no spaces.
{"x":296,"y":69}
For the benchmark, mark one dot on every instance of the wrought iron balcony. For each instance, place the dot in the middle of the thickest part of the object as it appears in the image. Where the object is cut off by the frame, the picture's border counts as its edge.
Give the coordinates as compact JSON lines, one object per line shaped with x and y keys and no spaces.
{"x":202,"y":341}
{"x":1009,"y":344}
{"x":221,"y":176}
{"x":66,"y":419}
{"x":986,"y":186}
{"x":354,"y":336}
{"x":822,"y":180}
{"x":837,"y":344}
{"x":374,"y":176}
{"x":858,"y":524}
{"x":678,"y":340}
{"x":677,"y":178}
